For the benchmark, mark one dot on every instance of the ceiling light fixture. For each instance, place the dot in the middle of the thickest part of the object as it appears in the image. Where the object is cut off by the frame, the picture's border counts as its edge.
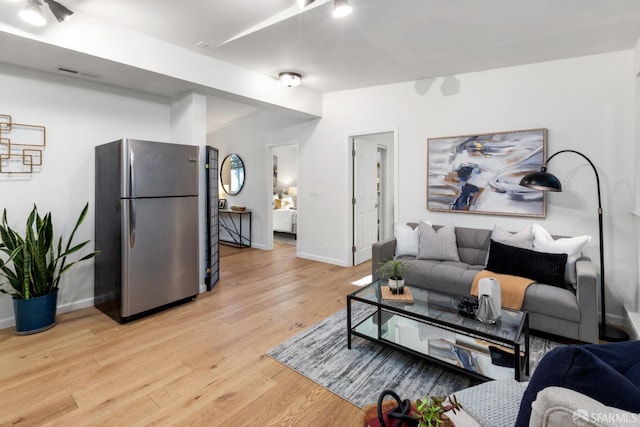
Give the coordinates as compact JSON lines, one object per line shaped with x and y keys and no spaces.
{"x":59,"y":11}
{"x":290,"y":79}
{"x":341,"y":8}
{"x":304,"y":3}
{"x":32,"y":13}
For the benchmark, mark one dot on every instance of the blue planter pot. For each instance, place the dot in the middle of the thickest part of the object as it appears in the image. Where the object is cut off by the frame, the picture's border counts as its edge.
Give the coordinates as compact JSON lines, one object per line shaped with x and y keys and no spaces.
{"x":35,"y":315}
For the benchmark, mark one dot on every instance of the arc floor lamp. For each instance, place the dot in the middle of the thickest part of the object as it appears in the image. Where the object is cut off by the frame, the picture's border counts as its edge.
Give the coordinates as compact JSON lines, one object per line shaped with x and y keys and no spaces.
{"x":546,"y":181}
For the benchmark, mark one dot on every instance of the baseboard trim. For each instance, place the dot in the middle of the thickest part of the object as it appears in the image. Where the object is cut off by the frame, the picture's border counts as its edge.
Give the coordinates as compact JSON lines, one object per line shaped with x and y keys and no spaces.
{"x":633,"y":324}
{"x":326,"y":260}
{"x":10,"y":322}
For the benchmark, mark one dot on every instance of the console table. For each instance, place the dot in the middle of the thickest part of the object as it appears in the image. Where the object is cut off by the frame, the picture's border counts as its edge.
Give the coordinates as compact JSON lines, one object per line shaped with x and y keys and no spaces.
{"x":235,"y":228}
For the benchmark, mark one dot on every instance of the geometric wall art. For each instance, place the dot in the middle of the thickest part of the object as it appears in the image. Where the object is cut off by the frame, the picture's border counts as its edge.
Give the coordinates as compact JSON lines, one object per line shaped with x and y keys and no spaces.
{"x":21,"y":146}
{"x":481,"y":173}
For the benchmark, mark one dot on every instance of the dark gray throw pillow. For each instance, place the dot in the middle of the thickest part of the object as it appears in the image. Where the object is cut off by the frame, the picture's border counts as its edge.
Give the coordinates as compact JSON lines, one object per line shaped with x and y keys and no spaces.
{"x":539,"y":266}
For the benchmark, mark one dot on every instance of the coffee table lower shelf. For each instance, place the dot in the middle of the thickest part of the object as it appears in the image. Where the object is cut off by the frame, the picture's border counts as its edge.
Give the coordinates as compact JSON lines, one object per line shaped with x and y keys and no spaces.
{"x":445,"y":344}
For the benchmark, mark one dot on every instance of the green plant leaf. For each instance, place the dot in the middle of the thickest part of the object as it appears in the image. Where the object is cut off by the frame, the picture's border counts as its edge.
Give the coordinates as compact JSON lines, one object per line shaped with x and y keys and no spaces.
{"x":32,"y":266}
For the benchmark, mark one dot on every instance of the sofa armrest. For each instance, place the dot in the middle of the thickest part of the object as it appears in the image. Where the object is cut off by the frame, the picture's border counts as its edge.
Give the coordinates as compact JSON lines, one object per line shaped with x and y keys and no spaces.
{"x":381,"y":252}
{"x":557,"y":406}
{"x":587,"y":294}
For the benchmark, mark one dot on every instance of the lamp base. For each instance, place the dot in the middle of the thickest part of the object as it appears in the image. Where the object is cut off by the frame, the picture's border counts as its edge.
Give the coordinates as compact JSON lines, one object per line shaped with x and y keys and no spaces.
{"x":612,"y":333}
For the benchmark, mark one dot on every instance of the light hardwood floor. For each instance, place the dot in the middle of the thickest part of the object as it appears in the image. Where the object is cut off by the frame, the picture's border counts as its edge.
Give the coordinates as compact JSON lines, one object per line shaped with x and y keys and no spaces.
{"x":201,"y":363}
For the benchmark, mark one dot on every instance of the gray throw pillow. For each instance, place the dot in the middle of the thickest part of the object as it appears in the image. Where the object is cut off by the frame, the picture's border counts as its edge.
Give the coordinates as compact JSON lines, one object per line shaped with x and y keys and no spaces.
{"x":522,"y":239}
{"x":440,"y":245}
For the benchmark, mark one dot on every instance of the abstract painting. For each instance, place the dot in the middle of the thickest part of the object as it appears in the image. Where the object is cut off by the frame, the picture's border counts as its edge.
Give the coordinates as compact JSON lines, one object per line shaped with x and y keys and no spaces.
{"x":481,"y":173}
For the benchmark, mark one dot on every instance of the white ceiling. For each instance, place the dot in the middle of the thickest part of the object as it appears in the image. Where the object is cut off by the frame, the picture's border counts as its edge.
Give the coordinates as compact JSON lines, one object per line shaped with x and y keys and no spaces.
{"x":382,"y":41}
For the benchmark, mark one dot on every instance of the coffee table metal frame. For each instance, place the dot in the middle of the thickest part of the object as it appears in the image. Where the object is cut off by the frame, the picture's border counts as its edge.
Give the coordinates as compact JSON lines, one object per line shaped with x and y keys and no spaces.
{"x":516,"y":341}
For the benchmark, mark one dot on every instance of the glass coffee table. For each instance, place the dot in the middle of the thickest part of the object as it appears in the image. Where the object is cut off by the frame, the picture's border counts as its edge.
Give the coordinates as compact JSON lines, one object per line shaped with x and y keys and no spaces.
{"x":431,"y":328}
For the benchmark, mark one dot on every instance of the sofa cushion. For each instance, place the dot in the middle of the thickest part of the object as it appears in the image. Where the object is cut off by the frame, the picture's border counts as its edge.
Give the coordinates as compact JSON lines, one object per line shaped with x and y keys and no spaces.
{"x":572,"y":246}
{"x":551,"y":301}
{"x":493,"y":403}
{"x":599,"y":371}
{"x":539,"y":266}
{"x":438,"y":244}
{"x":449,"y":277}
{"x":473,"y":245}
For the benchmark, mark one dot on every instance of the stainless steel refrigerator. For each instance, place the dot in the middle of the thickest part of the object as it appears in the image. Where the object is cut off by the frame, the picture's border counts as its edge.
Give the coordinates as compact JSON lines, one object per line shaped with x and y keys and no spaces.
{"x":146,"y":226}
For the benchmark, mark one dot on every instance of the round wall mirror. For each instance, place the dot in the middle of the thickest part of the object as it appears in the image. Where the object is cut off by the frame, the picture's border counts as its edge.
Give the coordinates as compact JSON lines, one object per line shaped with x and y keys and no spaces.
{"x":232,"y":174}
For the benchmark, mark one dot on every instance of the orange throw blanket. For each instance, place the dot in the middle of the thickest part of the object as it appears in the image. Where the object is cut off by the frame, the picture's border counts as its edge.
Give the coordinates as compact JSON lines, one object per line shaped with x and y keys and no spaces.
{"x":512,"y":288}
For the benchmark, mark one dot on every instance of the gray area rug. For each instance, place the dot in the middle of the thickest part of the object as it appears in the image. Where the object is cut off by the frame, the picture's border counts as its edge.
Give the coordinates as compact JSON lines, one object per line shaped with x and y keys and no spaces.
{"x":359,"y":375}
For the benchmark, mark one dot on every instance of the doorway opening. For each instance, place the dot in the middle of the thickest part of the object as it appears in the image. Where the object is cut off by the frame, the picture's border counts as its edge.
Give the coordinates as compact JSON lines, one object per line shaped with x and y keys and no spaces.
{"x":283,"y":195}
{"x":373,"y":191}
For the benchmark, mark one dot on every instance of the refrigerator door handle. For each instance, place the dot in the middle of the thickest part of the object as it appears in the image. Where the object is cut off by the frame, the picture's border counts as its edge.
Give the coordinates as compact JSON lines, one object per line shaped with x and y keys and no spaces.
{"x":132,"y":185}
{"x":132,"y":223}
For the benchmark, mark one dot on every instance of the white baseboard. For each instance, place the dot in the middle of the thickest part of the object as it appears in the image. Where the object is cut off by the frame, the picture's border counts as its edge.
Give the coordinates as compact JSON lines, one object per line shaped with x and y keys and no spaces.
{"x":326,"y":260}
{"x":9,"y":322}
{"x":633,"y":324}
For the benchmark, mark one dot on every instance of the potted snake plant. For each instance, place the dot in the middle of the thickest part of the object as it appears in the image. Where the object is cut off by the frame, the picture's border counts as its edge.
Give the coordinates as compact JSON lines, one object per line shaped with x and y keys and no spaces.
{"x":33,"y":265}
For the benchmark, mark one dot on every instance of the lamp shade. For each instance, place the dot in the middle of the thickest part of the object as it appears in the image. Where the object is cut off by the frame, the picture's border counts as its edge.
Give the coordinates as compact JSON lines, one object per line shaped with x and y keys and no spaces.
{"x":541,"y":180}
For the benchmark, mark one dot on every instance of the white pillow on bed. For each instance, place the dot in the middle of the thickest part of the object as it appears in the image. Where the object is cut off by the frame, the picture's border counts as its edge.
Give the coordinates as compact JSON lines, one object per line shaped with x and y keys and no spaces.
{"x":287,"y":202}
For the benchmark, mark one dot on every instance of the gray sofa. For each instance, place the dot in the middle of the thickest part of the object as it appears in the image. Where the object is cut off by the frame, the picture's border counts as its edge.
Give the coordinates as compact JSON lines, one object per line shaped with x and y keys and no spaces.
{"x":555,"y":310}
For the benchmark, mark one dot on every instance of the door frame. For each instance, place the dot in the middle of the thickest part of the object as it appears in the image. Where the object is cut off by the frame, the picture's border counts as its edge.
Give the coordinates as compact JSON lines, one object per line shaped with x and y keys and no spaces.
{"x":349,"y":242}
{"x":269,"y":191}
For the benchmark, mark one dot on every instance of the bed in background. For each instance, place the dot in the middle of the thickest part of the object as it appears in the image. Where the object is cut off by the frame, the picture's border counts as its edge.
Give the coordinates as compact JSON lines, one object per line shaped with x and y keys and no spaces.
{"x":285,"y":215}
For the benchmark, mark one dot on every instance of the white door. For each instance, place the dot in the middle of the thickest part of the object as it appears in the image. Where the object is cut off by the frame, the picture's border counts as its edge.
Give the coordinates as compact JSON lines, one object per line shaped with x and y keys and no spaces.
{"x":365,"y":198}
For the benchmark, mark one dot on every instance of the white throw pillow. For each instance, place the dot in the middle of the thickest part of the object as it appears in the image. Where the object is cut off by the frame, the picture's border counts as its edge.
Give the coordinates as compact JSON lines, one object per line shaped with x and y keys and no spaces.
{"x":438,"y":244}
{"x":522,"y":239}
{"x":572,"y":246}
{"x":407,"y":240}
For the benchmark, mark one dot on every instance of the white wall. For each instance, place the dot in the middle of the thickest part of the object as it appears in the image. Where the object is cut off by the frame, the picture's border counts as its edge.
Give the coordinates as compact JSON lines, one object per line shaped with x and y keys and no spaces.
{"x":287,"y":166}
{"x":78,"y":116}
{"x":249,"y":137}
{"x":586,"y":103}
{"x":103,"y":43}
{"x":189,"y":126}
{"x":636,"y":72}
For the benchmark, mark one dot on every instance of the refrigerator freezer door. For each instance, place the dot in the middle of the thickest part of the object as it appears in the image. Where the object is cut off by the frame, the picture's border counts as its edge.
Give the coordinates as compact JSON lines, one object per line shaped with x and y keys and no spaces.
{"x":160,"y":252}
{"x":156,"y":169}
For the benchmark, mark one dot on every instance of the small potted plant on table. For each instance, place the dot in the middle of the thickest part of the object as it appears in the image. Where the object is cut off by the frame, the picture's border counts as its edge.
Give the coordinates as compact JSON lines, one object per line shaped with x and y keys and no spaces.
{"x":33,"y":268}
{"x":394,"y":270}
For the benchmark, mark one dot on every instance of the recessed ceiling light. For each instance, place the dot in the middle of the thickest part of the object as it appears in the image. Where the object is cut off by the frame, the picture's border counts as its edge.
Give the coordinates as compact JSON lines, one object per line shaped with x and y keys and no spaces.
{"x":202,"y":44}
{"x":305,"y":3}
{"x":290,"y":79}
{"x":33,"y":14}
{"x":341,"y":8}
